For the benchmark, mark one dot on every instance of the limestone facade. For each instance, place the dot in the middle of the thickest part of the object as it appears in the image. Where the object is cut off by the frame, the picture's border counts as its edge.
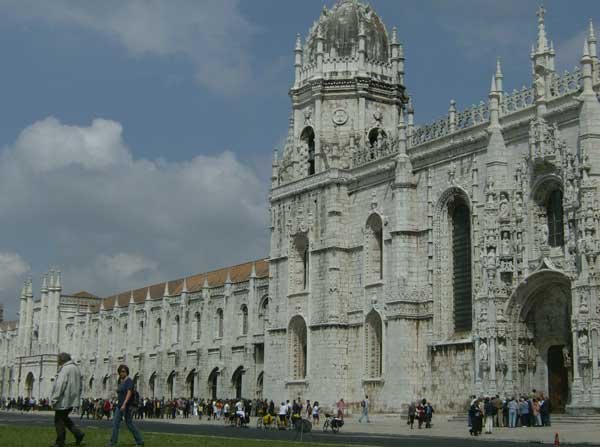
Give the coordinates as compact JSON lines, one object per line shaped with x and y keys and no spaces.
{"x":454,"y":258}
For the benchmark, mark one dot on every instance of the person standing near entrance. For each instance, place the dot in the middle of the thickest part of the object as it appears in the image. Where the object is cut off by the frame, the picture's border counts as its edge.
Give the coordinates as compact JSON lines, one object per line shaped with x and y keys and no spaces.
{"x":364,"y":404}
{"x":124,"y":407}
{"x":66,"y":394}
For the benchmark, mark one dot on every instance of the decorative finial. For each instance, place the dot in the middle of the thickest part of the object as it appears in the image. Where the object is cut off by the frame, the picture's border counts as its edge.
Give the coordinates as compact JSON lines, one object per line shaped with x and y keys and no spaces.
{"x":148,"y":296}
{"x":394,"y":35}
{"x":166,"y":288}
{"x":591,"y":35}
{"x":298,"y":42}
{"x":184,"y":289}
{"x":131,"y":301}
{"x":57,"y":283}
{"x":205,"y":284}
{"x":361,"y":28}
{"x":493,"y":88}
{"x":586,"y":49}
{"x":498,"y":68}
{"x":452,"y":106}
{"x":542,"y":41}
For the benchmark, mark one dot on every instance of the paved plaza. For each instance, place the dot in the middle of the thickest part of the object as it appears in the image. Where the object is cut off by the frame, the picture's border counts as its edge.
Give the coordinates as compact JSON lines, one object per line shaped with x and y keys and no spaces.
{"x":381,"y":426}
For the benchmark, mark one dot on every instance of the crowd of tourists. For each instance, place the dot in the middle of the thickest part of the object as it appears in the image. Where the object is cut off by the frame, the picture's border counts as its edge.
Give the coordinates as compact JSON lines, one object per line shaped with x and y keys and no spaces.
{"x":525,"y":411}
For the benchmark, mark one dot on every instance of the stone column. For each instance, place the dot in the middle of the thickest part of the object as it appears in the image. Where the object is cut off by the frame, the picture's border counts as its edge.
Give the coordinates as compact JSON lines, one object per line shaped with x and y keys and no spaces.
{"x":492,"y":351}
{"x":576,"y":389}
{"x":477,"y":372}
{"x":595,"y":371}
{"x":318,"y":128}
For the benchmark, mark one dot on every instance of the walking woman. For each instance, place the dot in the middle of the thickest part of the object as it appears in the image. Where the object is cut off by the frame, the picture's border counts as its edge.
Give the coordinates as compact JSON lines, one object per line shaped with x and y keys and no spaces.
{"x":124,"y":408}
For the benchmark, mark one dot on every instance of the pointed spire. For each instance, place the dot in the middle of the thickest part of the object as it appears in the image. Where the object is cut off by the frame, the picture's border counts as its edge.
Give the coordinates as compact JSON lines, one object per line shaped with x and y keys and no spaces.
{"x":166,"y":293}
{"x":148,"y":296}
{"x":29,"y":291}
{"x":184,"y":288}
{"x":205,"y":283}
{"x":44,"y":287}
{"x":298,"y":42}
{"x":591,"y":35}
{"x":394,"y":36}
{"x":131,"y":301}
{"x":24,"y":290}
{"x":493,"y":88}
{"x":228,"y":279}
{"x":253,"y":272}
{"x":542,"y":40}
{"x":498,"y":69}
{"x":586,"y":48}
{"x":51,"y":280}
{"x":401,"y":134}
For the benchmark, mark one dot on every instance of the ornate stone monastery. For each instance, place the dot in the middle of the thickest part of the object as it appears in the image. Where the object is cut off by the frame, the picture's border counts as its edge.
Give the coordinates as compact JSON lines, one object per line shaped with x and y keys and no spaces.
{"x":441,"y":260}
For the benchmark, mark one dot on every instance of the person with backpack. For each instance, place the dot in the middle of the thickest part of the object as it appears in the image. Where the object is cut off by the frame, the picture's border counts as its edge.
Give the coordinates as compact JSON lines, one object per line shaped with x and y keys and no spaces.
{"x":127,"y":396}
{"x":364,"y":406}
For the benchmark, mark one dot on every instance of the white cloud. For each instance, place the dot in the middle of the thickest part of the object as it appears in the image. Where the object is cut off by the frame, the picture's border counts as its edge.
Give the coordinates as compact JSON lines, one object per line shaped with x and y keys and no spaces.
{"x":212,"y":33}
{"x":12,"y":270}
{"x":48,"y":145}
{"x":78,"y":199}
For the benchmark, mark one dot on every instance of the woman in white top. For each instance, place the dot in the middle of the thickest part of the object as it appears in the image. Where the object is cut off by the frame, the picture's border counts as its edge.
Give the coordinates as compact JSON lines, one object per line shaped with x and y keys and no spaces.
{"x":315,"y":413}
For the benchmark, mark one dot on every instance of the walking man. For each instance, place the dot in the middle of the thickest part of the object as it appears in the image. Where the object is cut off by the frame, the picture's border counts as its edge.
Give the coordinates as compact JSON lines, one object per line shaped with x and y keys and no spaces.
{"x":66,"y":394}
{"x":364,"y":404}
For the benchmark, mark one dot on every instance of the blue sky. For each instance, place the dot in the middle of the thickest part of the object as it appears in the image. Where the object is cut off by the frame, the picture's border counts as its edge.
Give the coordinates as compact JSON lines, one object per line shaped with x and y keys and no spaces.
{"x":136,"y":136}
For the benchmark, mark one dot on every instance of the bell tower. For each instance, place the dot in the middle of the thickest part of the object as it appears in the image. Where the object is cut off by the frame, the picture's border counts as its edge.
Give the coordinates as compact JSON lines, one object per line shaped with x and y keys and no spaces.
{"x":348,"y":100}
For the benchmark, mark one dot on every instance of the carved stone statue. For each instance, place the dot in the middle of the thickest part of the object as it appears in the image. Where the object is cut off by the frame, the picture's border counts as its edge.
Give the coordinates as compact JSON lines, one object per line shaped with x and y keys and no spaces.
{"x":540,"y":86}
{"x":532,"y":355}
{"x":519,"y":205}
{"x":501,"y":353}
{"x":500,"y":313}
{"x":583,"y":302}
{"x":582,"y":344}
{"x":505,"y":244}
{"x":543,"y":232}
{"x":483,"y":352}
{"x":522,"y":353}
{"x":566,"y":357}
{"x":504,"y":208}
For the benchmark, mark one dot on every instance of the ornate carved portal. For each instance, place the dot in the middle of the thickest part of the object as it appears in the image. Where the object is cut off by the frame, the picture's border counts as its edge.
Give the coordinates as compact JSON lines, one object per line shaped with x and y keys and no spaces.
{"x":541,"y":312}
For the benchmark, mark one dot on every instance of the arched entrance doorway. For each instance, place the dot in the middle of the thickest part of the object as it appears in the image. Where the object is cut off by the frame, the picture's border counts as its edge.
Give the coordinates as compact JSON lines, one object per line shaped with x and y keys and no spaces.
{"x":152,"y":385}
{"x":236,"y":382}
{"x":29,"y":382}
{"x":259,"y":386}
{"x":189,"y":383}
{"x":171,"y":385}
{"x":540,"y":312}
{"x":212,"y":383}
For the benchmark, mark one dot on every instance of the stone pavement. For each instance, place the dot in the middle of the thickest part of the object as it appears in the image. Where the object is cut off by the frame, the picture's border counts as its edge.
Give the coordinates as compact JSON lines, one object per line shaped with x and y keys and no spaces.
{"x":444,"y":426}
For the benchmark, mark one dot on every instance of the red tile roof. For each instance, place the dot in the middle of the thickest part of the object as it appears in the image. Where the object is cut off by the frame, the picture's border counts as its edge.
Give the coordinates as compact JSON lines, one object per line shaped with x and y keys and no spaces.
{"x":216,"y":278}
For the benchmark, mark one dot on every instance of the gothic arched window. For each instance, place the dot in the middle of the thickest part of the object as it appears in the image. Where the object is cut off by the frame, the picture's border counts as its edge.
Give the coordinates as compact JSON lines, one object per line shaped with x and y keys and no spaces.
{"x":308,"y":141}
{"x":374,"y":244}
{"x":175,"y":334}
{"x":300,"y":264}
{"x":554,"y":214}
{"x":373,"y":345}
{"x":158,"y":331}
{"x":263,"y":314}
{"x":141,"y":334}
{"x":461,"y":265}
{"x":196,"y":328}
{"x":244,"y":314}
{"x":219,"y":323}
{"x":297,"y":346}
